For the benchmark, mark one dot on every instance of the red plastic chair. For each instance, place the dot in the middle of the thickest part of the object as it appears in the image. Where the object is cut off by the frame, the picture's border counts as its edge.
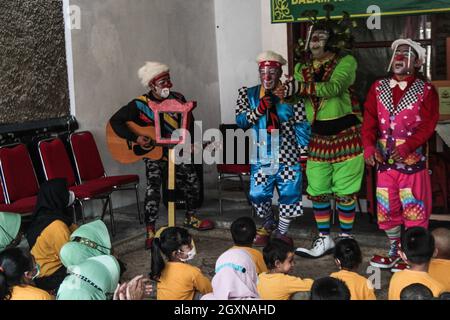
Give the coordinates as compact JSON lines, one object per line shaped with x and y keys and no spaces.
{"x":19,"y":184}
{"x":89,"y":166}
{"x":56,"y":164}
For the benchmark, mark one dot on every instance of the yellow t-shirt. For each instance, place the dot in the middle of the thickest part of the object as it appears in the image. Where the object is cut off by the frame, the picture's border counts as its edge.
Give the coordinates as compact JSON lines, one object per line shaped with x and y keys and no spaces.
{"x":29,"y":293}
{"x":48,"y":244}
{"x":357,"y":284}
{"x":180,"y":281}
{"x":280,"y":286}
{"x":257,"y":258}
{"x":404,"y":278}
{"x":440,"y":271}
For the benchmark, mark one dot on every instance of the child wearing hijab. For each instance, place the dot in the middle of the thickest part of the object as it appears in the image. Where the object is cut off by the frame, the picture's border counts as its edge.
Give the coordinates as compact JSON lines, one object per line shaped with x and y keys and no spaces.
{"x":49,"y":230}
{"x":277,"y":284}
{"x":94,"y":279}
{"x":235,"y":277}
{"x":9,"y":230}
{"x":348,"y":257}
{"x":89,"y":240}
{"x":176,"y":279}
{"x":17,"y":271}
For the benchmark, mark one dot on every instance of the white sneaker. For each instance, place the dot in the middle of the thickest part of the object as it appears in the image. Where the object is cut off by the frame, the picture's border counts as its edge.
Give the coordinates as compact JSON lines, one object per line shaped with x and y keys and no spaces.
{"x":321,"y":246}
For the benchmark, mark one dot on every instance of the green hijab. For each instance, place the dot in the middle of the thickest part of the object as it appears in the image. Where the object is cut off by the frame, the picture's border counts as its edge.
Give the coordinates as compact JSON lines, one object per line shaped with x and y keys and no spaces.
{"x":9,"y":228}
{"x":94,"y":279}
{"x":77,"y":251}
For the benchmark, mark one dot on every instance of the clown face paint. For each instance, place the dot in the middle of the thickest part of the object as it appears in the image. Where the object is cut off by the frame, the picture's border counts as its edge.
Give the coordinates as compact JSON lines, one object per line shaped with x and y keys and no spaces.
{"x":404,"y":61}
{"x":269,"y":76}
{"x":161,"y":86}
{"x":318,"y":42}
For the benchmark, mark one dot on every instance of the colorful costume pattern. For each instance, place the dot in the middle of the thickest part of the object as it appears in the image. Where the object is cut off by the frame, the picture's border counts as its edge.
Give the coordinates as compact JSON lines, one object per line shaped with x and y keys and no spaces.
{"x":403,"y":188}
{"x":293,"y":139}
{"x":335,"y":162}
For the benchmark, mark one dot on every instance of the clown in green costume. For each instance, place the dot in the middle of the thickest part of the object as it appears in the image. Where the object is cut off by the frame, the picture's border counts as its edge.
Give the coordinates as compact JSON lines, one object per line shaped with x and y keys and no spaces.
{"x":335,"y":162}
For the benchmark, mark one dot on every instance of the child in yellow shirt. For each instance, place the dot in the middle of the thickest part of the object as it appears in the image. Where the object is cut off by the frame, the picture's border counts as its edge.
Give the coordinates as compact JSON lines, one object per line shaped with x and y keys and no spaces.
{"x":347,"y":256}
{"x":17,"y":272}
{"x":277,"y":284}
{"x":440,"y":265}
{"x":176,"y":280}
{"x":417,"y":249}
{"x":243,"y":232}
{"x":49,"y":231}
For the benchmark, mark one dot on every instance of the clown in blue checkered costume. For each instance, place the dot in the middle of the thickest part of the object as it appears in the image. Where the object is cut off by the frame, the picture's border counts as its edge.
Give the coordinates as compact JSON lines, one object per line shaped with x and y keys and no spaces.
{"x":280,"y":135}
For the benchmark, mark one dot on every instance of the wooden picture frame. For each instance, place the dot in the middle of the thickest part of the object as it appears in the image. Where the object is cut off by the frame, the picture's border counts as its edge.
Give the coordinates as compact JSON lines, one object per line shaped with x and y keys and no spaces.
{"x":443,"y":89}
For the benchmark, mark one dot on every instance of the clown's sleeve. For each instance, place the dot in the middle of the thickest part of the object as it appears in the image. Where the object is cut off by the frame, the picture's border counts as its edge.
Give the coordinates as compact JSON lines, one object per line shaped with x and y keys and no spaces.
{"x":245,"y":116}
{"x":343,"y":77}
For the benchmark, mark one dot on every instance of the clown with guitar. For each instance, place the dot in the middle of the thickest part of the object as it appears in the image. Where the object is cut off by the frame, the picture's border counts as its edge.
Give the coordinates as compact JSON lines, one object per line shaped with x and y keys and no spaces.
{"x":132,"y":123}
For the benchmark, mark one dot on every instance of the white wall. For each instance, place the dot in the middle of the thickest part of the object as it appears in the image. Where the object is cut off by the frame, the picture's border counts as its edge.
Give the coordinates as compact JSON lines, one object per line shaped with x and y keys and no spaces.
{"x":117,"y":37}
{"x":243,"y":31}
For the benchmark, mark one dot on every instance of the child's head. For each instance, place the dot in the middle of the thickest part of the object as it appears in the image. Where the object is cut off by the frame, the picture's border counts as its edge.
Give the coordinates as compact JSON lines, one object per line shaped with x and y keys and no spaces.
{"x":329,"y":288}
{"x":17,"y":267}
{"x":416,"y":291}
{"x":279,"y":256}
{"x":417,"y":246}
{"x":442,"y":243}
{"x":243,"y":231}
{"x":347,"y":254}
{"x":176,"y":244}
{"x":444,"y":296}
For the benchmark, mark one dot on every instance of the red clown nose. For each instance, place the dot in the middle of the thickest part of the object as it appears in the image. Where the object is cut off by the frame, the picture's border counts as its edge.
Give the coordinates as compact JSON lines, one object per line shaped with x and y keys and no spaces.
{"x":399,"y":57}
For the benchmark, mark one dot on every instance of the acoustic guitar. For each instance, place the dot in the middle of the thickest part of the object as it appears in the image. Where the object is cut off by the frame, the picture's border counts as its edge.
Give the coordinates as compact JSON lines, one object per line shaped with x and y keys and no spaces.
{"x":125,"y":151}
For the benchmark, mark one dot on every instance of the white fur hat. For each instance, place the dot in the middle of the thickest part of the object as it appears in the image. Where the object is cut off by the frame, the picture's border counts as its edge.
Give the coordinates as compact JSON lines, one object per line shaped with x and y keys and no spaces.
{"x":415,"y":45}
{"x":150,"y":70}
{"x":270,"y":56}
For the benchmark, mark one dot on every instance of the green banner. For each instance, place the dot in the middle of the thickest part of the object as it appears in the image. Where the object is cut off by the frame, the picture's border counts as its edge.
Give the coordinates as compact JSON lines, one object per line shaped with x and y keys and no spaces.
{"x":291,"y":10}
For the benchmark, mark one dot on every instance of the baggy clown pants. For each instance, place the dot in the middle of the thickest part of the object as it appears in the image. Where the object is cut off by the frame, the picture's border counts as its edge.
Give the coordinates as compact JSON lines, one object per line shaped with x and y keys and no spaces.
{"x":288,"y":181}
{"x":403,"y":199}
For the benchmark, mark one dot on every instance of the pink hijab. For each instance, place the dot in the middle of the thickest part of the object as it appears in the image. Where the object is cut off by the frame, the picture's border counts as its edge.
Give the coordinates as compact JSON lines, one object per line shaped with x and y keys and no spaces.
{"x":235,"y":277}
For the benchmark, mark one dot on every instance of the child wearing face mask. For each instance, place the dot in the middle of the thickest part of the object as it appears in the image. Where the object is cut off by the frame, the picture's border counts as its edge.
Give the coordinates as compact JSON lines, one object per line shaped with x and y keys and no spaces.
{"x":400,"y":115}
{"x":348,"y":257}
{"x":17,"y":271}
{"x":176,"y":279}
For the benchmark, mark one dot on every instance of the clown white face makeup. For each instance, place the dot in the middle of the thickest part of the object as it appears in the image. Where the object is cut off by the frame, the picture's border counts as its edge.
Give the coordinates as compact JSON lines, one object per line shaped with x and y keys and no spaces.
{"x":161,"y":85}
{"x":405,"y":61}
{"x":269,"y":76}
{"x":317,"y":43}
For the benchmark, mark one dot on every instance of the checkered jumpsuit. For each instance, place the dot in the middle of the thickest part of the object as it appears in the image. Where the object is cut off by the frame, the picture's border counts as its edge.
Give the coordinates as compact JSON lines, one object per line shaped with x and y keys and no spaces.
{"x":279,"y":167}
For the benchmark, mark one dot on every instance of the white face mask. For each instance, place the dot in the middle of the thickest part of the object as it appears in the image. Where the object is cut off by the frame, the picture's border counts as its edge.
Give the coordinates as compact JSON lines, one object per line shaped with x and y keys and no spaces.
{"x":190,"y":255}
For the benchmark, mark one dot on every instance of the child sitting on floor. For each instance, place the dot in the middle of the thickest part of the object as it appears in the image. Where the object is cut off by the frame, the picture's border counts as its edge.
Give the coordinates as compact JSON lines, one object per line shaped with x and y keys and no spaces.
{"x":440,"y":265}
{"x":17,"y":272}
{"x":347,"y":256}
{"x":417,"y":249}
{"x":176,"y":279}
{"x":329,"y":288}
{"x":235,"y":277}
{"x":277,"y":284}
{"x":243,"y":232}
{"x":49,"y":230}
{"x":416,"y":291}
